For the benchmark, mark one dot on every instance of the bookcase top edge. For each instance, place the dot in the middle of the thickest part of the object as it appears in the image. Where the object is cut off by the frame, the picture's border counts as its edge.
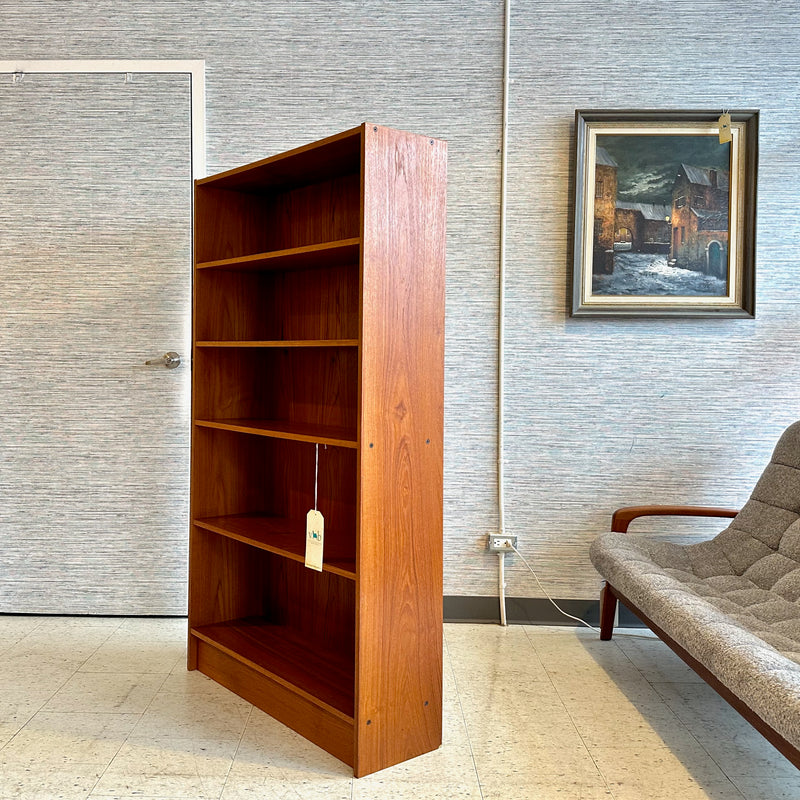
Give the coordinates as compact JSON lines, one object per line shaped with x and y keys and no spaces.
{"x":348,"y":142}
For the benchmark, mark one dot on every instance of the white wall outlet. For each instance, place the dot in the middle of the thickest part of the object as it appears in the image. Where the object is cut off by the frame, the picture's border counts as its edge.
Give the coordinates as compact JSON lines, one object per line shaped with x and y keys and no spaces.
{"x":502,"y":544}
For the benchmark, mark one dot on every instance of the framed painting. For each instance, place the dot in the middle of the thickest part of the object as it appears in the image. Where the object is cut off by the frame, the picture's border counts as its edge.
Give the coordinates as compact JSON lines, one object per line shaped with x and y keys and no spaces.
{"x":665,"y":213}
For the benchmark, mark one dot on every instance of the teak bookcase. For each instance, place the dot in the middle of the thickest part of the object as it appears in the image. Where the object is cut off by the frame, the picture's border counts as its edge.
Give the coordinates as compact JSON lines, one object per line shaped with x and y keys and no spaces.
{"x":319,"y":321}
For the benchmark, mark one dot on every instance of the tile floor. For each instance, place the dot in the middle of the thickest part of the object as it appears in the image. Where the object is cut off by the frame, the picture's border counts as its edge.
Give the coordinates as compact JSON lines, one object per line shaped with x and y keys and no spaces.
{"x":103,"y":708}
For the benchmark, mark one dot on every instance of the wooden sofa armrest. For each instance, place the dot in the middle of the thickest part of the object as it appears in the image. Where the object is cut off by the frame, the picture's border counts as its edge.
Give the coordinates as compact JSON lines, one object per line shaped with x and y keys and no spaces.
{"x":622,"y":517}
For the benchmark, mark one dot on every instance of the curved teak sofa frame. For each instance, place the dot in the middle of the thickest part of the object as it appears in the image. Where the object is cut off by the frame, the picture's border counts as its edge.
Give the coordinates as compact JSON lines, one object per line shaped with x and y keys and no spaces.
{"x":609,"y":596}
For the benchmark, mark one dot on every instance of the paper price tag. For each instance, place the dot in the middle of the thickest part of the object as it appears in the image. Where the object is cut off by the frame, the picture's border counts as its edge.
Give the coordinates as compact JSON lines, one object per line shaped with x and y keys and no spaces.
{"x":725,"y":128}
{"x":315,"y":531}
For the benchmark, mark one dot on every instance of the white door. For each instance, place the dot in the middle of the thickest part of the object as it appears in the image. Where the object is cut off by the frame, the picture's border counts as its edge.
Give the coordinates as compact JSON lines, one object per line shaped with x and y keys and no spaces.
{"x":95,"y":279}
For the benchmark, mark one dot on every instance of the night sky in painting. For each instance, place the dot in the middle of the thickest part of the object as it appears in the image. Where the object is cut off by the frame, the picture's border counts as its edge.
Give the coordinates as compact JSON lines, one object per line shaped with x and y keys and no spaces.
{"x":648,"y":164}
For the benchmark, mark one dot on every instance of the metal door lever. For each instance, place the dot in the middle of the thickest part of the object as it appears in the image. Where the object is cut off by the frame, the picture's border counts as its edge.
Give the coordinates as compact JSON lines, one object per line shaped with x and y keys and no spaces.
{"x":169,"y":360}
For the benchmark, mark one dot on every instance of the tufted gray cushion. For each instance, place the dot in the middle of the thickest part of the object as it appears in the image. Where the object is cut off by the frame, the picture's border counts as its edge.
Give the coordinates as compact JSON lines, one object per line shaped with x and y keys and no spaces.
{"x":732,"y":602}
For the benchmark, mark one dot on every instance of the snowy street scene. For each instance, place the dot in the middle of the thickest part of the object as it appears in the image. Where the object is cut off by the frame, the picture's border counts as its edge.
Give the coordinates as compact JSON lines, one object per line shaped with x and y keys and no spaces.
{"x":661,"y":215}
{"x":651,"y":274}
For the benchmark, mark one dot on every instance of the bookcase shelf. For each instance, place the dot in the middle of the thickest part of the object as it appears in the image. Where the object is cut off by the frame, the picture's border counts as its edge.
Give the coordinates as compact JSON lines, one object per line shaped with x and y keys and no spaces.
{"x":284,"y":343}
{"x":325,"y":254}
{"x":323,"y":677}
{"x":279,"y":535}
{"x":318,"y":365}
{"x":335,"y":436}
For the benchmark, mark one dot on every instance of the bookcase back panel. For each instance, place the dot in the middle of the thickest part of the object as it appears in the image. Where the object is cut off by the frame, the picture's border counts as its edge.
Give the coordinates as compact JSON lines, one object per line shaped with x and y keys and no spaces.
{"x":229,"y":579}
{"x":318,"y":606}
{"x":232,"y":224}
{"x":237,"y":473}
{"x":316,"y":386}
{"x":320,"y":212}
{"x":228,"y":224}
{"x":282,"y":305}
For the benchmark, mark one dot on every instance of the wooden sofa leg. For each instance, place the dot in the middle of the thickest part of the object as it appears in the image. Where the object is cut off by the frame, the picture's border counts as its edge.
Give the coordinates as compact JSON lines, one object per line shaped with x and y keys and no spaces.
{"x":608,"y":608}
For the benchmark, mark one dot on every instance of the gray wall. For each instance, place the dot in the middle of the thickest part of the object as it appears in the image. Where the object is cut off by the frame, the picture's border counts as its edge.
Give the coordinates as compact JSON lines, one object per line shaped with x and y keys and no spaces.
{"x":600,"y":413}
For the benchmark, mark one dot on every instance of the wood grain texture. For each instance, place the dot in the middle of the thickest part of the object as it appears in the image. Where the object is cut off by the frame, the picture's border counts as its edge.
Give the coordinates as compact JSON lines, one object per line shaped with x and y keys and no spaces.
{"x":312,"y":163}
{"x":228,"y":224}
{"x":281,"y":343}
{"x":234,"y":581}
{"x":329,"y":730}
{"x":399,"y":574}
{"x":237,"y":223}
{"x":622,"y":517}
{"x":287,"y":537}
{"x":320,"y":303}
{"x":237,"y":473}
{"x":308,"y":386}
{"x":227,"y":580}
{"x":333,"y":435}
{"x":298,"y":662}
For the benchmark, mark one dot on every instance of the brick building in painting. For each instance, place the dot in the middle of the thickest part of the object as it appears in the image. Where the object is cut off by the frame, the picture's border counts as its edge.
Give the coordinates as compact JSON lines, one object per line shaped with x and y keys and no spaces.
{"x":700,"y":198}
{"x":605,"y":201}
{"x":644,"y":225}
{"x":620,"y":224}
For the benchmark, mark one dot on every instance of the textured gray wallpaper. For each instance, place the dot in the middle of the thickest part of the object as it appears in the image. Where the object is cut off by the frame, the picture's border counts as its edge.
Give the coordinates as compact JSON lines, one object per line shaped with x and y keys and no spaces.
{"x":604,"y":413}
{"x":600,"y":413}
{"x":95,"y":251}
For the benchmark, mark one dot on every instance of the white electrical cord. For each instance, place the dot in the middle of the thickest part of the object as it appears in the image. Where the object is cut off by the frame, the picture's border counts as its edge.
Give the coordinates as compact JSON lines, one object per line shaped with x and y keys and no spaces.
{"x":501,"y":312}
{"x":561,"y":610}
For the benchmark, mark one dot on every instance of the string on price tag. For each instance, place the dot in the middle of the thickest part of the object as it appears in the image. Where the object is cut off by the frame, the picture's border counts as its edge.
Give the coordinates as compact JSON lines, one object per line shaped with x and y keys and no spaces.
{"x":315,"y":525}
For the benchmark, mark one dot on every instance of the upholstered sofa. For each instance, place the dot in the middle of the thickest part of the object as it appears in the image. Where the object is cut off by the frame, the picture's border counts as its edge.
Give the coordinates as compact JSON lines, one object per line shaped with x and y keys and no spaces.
{"x":730,"y":606}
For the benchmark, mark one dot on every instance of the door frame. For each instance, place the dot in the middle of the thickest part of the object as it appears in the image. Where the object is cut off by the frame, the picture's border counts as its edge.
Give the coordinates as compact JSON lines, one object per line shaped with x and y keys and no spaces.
{"x":196,"y":69}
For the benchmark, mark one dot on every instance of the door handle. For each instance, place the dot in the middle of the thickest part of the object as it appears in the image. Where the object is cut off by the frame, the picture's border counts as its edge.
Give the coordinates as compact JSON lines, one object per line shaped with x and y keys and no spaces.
{"x":169,"y":360}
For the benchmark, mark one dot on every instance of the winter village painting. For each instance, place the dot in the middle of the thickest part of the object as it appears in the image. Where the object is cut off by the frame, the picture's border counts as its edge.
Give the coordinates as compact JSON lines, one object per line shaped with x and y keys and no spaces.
{"x":661,"y":215}
{"x":661,"y":208}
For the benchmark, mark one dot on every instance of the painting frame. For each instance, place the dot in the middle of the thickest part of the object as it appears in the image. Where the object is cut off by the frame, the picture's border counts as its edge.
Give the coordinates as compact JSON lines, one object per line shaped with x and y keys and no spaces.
{"x":712,"y":268}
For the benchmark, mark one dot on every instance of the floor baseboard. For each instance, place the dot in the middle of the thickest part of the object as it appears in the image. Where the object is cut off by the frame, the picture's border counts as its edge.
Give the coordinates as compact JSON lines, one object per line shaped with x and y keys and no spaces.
{"x":529,"y":611}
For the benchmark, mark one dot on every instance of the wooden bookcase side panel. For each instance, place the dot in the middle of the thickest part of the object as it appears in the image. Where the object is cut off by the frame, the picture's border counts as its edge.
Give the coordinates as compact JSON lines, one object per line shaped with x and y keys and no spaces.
{"x":319,"y":303}
{"x":399,"y":612}
{"x":237,"y":474}
{"x":230,"y":224}
{"x":315,"y":386}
